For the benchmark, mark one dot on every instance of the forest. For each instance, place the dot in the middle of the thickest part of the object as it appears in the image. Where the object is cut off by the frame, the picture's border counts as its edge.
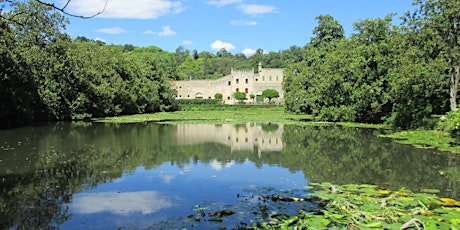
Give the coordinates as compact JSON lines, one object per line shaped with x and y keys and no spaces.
{"x":398,"y":74}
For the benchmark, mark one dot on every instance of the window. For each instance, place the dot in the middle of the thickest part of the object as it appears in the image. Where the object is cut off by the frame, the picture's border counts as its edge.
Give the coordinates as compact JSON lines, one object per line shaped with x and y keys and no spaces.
{"x":277,"y":78}
{"x":247,"y":81}
{"x":228,"y":98}
{"x":263,"y":78}
{"x":270,"y":78}
{"x":237,"y":90}
{"x":257,"y":79}
{"x":229,"y":83}
{"x":237,"y":81}
{"x":246,"y":90}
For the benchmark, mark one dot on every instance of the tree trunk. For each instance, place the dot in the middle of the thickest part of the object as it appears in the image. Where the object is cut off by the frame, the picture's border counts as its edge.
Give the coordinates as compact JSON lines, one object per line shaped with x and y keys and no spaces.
{"x":454,"y":79}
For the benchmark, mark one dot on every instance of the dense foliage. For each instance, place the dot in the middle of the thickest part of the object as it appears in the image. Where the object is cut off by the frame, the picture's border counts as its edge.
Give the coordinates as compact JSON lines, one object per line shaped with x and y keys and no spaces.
{"x":45,"y":75}
{"x":270,"y":94}
{"x":401,"y":75}
{"x":397,"y":74}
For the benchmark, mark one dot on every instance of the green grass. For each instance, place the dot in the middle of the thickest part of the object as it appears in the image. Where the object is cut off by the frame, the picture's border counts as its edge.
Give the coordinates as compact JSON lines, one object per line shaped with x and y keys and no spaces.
{"x":215,"y":114}
{"x":426,"y":139}
{"x":219,"y":114}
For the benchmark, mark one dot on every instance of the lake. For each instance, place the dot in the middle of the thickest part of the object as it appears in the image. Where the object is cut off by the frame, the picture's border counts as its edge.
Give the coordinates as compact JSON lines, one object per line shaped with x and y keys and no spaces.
{"x":196,"y":176}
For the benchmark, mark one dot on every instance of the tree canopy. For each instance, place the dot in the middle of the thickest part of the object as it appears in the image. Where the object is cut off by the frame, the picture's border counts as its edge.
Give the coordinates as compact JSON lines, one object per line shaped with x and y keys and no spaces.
{"x":401,"y":75}
{"x":270,"y":94}
{"x":239,"y":96}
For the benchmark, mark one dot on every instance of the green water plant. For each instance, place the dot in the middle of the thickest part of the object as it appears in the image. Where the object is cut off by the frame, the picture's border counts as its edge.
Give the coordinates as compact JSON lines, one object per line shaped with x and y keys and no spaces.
{"x":372,"y":207}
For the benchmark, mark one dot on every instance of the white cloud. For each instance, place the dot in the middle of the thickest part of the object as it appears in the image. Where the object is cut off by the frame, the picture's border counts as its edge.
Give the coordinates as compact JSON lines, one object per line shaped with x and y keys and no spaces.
{"x":218,"y":166}
{"x":249,"y":52}
{"x":100,"y":39}
{"x":139,"y":9}
{"x":166,"y":31}
{"x":187,"y":42}
{"x":124,"y":203}
{"x":218,"y":45}
{"x":221,"y":3}
{"x":255,"y":9}
{"x":113,"y":30}
{"x":242,"y":22}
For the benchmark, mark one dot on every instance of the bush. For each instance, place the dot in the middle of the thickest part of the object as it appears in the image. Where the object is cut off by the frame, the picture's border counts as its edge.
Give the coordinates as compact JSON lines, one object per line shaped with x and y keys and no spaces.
{"x":198,"y":101}
{"x":218,"y":96}
{"x":450,"y":123}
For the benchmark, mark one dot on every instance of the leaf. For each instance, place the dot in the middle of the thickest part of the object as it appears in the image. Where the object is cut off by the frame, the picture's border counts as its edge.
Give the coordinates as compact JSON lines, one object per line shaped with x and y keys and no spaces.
{"x":373,"y":225}
{"x":448,"y":201}
{"x":406,"y":198}
{"x":325,"y":222}
{"x":429,"y":190}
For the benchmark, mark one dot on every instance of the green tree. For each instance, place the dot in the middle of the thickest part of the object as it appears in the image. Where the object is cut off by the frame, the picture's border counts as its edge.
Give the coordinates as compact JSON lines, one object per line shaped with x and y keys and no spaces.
{"x":328,"y":29}
{"x":270,"y":94}
{"x":239,"y":96}
{"x":218,"y":96}
{"x":441,"y":20}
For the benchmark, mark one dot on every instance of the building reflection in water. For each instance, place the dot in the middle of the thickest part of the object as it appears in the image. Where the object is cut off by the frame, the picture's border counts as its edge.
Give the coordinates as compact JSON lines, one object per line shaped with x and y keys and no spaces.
{"x":260,"y":137}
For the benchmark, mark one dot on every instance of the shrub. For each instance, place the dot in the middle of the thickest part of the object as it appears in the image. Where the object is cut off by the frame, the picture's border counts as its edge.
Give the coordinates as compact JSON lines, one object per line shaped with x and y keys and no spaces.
{"x":218,"y":96}
{"x":450,"y":123}
{"x":198,"y":101}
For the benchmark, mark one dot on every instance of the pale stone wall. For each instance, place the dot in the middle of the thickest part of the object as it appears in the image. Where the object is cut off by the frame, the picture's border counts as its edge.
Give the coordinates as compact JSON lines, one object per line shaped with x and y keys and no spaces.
{"x":244,"y":80}
{"x":245,"y":137}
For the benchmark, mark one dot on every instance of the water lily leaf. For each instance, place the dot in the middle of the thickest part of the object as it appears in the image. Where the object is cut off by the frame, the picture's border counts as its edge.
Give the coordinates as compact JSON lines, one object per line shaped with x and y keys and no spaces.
{"x":337,"y":216}
{"x":325,"y":222}
{"x":373,"y":225}
{"x":429,"y":190}
{"x":406,"y":198}
{"x":384,"y":191}
{"x":455,"y":221}
{"x":448,"y":201}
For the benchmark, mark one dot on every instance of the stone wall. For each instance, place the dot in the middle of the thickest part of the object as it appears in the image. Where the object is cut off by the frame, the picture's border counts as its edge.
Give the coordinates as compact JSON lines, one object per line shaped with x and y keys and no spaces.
{"x":243,"y":80}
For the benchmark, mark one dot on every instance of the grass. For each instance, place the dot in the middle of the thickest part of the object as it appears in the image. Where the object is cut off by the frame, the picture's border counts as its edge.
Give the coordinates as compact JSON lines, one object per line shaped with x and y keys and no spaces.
{"x":219,"y":114}
{"x":429,"y":139}
{"x":215,"y":114}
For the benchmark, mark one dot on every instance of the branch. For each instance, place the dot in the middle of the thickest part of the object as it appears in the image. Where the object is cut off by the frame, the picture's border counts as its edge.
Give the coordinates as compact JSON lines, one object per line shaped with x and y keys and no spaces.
{"x":62,"y":9}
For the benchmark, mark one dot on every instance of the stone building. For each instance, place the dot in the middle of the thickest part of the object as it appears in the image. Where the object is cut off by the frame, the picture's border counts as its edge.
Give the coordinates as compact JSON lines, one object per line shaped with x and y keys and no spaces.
{"x":251,"y":137}
{"x":244,"y":80}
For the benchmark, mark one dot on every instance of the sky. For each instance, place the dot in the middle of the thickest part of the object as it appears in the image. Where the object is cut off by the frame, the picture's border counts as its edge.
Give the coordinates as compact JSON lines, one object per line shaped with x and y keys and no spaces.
{"x":239,"y":26}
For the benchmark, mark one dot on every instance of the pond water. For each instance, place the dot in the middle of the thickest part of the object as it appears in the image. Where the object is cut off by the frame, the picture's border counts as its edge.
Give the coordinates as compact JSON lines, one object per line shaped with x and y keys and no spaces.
{"x":195,"y":176}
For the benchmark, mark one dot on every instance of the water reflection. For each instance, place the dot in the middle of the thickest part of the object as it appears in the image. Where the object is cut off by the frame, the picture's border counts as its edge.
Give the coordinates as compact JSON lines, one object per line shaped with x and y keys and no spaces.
{"x":241,"y":137}
{"x":84,"y":175}
{"x":143,"y":202}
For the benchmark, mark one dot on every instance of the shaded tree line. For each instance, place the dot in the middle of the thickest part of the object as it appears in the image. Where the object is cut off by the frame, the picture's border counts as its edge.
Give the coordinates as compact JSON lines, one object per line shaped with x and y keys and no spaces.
{"x":206,"y":65}
{"x":45,"y":75}
{"x":382,"y":73}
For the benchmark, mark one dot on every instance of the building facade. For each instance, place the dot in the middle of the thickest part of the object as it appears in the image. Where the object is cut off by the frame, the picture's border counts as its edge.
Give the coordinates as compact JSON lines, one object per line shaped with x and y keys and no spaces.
{"x":243,"y":80}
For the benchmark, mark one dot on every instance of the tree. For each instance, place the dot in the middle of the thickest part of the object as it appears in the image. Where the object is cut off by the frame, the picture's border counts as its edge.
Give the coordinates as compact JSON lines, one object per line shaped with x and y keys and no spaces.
{"x":62,"y":9}
{"x":252,"y":96}
{"x":270,"y":94}
{"x":218,"y":96}
{"x":239,"y":96}
{"x":328,"y":29}
{"x":441,"y":19}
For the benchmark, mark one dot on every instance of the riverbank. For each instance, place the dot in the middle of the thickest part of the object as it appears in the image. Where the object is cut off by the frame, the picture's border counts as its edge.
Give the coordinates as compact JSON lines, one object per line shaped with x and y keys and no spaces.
{"x":218,"y":114}
{"x":343,"y":206}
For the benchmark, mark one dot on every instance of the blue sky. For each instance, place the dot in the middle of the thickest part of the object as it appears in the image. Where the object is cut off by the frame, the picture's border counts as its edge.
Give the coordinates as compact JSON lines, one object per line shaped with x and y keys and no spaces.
{"x":240,"y":26}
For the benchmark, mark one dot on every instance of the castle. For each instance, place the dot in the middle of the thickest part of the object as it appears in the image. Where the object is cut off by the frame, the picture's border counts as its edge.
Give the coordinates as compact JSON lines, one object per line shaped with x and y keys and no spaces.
{"x":248,"y":137}
{"x":244,"y":80}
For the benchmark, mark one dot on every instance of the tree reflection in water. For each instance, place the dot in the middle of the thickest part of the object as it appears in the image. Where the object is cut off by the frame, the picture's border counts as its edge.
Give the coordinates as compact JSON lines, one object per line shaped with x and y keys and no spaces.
{"x":45,"y":168}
